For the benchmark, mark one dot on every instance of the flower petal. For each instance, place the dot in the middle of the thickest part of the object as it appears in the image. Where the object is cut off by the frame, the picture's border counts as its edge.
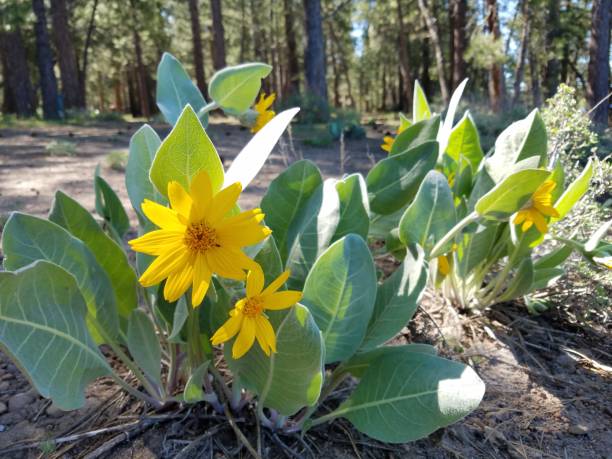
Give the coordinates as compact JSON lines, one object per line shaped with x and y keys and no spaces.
{"x":255,"y":282}
{"x":265,"y":334}
{"x":161,"y":216}
{"x":228,"y":330}
{"x":243,"y":235}
{"x":540,"y":222}
{"x":179,"y":199}
{"x":276,"y":283}
{"x":224,"y":262}
{"x":201,"y":280}
{"x":178,"y":282}
{"x":245,"y":339}
{"x":157,"y":242}
{"x":163,"y":266}
{"x":281,"y":300}
{"x":223,"y":202}
{"x":201,"y":193}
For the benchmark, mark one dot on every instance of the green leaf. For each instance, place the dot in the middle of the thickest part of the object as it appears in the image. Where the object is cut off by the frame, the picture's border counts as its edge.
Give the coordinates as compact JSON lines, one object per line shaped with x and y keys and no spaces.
{"x":595,"y":239}
{"x":286,"y":200}
{"x":483,"y":183}
{"x":574,"y":192}
{"x":43,"y":328}
{"x":420,"y":107}
{"x":143,"y":146}
{"x":511,"y":194}
{"x":186,"y":151}
{"x":178,"y":321}
{"x":475,"y":248}
{"x":465,"y":141}
{"x":319,"y":222}
{"x":394,"y":245}
{"x":431,"y":215}
{"x":415,"y":135}
{"x":382,"y":225}
{"x":401,"y":399}
{"x":251,"y":159}
{"x":354,"y":207}
{"x":393,"y":182}
{"x":27,"y":239}
{"x":397,"y":300}
{"x":175,"y":90}
{"x":143,"y":345}
{"x":71,"y":216}
{"x":193,"y":389}
{"x":360,"y":362}
{"x":292,"y":377}
{"x":449,"y":119}
{"x":404,"y":122}
{"x":340,"y":291}
{"x":522,"y":140}
{"x":269,"y":259}
{"x":554,"y":258}
{"x":109,"y":207}
{"x":544,"y":278}
{"x":235,"y":88}
{"x":521,"y":282}
{"x":215,"y":310}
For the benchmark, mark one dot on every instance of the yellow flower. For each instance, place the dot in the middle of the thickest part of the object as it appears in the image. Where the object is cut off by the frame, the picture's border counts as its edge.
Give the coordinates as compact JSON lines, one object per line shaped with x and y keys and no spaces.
{"x":443,"y":265}
{"x":263,"y":114}
{"x":538,"y":208}
{"x":388,"y":140}
{"x":248,"y":315}
{"x":198,"y":238}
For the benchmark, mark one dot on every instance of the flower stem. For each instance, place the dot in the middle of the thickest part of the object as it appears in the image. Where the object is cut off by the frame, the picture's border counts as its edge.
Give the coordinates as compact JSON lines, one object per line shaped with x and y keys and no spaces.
{"x":439,"y":247}
{"x":207,"y":108}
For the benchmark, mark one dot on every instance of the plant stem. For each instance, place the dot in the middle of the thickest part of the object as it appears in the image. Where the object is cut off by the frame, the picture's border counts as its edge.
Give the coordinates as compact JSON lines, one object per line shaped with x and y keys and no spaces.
{"x":501,"y":277}
{"x":439,"y":247}
{"x":207,"y":108}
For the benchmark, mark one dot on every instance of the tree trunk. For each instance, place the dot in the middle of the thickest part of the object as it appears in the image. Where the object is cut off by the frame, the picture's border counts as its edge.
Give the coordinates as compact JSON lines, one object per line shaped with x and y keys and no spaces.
{"x":86,"y":46}
{"x":554,"y":32}
{"x":218,"y":39}
{"x":293,"y":66}
{"x":48,"y":83}
{"x":434,"y":35}
{"x":534,"y":71}
{"x":522,"y":55}
{"x":404,"y":61}
{"x":198,"y":54}
{"x":18,"y":93}
{"x":67,"y":59}
{"x":425,"y":79}
{"x":598,"y":86}
{"x":496,"y":82}
{"x":314,"y":58}
{"x":244,"y":33}
{"x":141,"y":76}
{"x":459,"y":40}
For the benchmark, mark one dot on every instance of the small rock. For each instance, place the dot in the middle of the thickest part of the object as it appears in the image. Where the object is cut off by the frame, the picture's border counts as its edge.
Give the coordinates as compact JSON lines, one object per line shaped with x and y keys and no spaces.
{"x":3,"y":408}
{"x":54,"y":411}
{"x":578,"y":429}
{"x":7,"y":377}
{"x":20,"y":401}
{"x":2,"y":427}
{"x":4,"y":386}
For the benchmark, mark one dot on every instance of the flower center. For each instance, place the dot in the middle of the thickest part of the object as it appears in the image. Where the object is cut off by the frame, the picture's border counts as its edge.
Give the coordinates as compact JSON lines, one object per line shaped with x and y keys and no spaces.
{"x":200,"y":237}
{"x":252,"y":307}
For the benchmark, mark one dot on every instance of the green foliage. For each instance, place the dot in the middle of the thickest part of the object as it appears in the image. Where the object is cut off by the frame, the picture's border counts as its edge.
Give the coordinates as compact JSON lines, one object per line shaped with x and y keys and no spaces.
{"x":61,"y":148}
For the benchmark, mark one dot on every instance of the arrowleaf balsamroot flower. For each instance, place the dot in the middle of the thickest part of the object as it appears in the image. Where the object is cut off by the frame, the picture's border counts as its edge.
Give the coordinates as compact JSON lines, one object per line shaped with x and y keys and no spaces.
{"x":388,"y":140}
{"x":248,"y":319}
{"x":538,"y":208}
{"x":197,"y":238}
{"x":264,"y":115}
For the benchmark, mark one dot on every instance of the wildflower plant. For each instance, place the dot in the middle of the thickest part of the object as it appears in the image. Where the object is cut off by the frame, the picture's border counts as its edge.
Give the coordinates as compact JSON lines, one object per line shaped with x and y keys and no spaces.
{"x":288,"y":292}
{"x":477,"y":216}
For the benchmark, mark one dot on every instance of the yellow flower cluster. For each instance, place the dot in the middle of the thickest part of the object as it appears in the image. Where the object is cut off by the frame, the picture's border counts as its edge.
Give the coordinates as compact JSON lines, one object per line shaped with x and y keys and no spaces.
{"x":199,"y":235}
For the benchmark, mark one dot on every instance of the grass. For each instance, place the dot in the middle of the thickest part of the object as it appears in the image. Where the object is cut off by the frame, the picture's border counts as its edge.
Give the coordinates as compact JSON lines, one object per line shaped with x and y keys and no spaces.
{"x":117,"y":160}
{"x":61,"y":148}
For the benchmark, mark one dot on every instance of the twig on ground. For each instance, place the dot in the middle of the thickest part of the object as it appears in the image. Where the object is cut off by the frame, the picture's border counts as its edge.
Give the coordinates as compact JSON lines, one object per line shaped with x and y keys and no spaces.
{"x":244,"y":440}
{"x":194,"y":449}
{"x":435,"y":324}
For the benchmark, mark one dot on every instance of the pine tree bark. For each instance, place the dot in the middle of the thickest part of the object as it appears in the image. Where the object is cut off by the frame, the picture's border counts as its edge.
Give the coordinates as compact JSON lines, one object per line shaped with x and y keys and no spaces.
{"x":48,"y":83}
{"x":459,"y":40}
{"x":598,"y":85}
{"x":66,"y":54}
{"x":534,"y":73}
{"x":143,"y":91}
{"x":314,"y":58}
{"x":404,"y":60}
{"x":218,"y":41}
{"x":86,"y":46}
{"x":496,"y":82}
{"x":292,"y":78}
{"x":434,"y":35}
{"x":18,"y":92}
{"x":522,"y":55}
{"x":198,"y":53}
{"x":553,"y":66}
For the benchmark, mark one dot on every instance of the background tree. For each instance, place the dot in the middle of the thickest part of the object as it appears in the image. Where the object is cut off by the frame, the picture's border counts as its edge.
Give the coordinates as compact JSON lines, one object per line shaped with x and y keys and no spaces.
{"x":198,"y":53}
{"x":48,"y":83}
{"x":218,"y":35}
{"x":314,"y":56}
{"x":599,"y":61}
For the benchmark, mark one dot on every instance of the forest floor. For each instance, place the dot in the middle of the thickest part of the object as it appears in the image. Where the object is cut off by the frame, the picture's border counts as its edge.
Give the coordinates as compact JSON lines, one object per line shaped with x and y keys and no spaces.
{"x":548,"y":377}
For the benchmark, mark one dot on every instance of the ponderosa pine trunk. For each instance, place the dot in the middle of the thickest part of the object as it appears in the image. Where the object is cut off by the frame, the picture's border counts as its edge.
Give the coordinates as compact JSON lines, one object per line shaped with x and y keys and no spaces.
{"x":459,"y":40}
{"x":598,"y":85}
{"x":292,"y":77}
{"x":48,"y":82}
{"x":18,"y":92}
{"x":522,"y":56}
{"x":218,"y":35}
{"x":314,"y":57}
{"x":66,"y":56}
{"x":196,"y":39}
{"x":496,"y":82}
{"x":141,"y":75}
{"x":553,"y":66}
{"x":434,"y":36}
{"x":84,"y":65}
{"x":404,"y":60}
{"x":534,"y":73}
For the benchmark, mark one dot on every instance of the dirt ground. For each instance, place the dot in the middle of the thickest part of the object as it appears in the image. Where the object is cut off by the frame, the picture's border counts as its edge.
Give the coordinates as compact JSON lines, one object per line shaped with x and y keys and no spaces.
{"x":548,"y":378}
